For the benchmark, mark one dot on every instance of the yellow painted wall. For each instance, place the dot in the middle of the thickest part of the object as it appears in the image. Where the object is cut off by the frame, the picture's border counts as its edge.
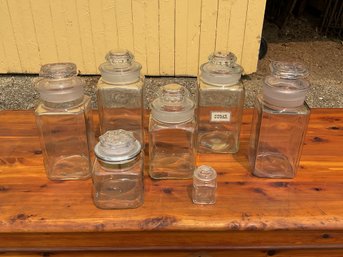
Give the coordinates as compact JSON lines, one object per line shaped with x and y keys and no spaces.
{"x":168,"y":37}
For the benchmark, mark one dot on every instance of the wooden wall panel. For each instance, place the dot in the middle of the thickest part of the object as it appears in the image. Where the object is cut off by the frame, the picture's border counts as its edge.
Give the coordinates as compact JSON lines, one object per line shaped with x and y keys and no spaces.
{"x":60,"y":32}
{"x":10,"y":58}
{"x":168,"y":37}
{"x":208,"y":32}
{"x":237,"y":29}
{"x":139,"y":33}
{"x":24,"y":31}
{"x":90,"y":53}
{"x":252,"y":34}
{"x":152,"y":37}
{"x":42,"y":21}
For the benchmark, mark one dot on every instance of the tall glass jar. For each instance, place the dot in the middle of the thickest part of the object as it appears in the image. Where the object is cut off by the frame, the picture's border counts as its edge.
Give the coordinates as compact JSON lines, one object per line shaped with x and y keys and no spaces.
{"x":221,"y":101}
{"x":119,"y":93}
{"x":118,"y":171}
{"x":279,"y":122}
{"x":64,"y":120}
{"x":172,"y":132}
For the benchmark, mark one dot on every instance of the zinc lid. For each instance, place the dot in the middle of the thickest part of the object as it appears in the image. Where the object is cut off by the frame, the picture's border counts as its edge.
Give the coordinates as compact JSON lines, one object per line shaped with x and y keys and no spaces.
{"x":221,"y":69}
{"x":120,"y":67}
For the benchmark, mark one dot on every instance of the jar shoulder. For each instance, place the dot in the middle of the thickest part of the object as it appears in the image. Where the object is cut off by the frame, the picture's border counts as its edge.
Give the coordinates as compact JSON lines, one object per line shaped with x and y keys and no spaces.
{"x":82,"y":107}
{"x":303,"y":109}
{"x":235,"y":87}
{"x":138,"y":85}
{"x":157,"y":125}
{"x":134,"y":168}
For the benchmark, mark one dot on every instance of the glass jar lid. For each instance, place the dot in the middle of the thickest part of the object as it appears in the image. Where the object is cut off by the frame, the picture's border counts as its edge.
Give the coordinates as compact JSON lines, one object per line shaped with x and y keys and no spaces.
{"x":58,"y":70}
{"x":288,"y":70}
{"x":120,"y":67}
{"x":117,"y":146}
{"x":173,"y":104}
{"x":205,"y":175}
{"x":287,"y":86}
{"x":58,"y":83}
{"x":221,"y":69}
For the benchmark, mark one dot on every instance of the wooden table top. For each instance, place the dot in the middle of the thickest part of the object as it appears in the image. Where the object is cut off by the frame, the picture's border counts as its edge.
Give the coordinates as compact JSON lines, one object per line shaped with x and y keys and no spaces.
{"x":29,"y":202}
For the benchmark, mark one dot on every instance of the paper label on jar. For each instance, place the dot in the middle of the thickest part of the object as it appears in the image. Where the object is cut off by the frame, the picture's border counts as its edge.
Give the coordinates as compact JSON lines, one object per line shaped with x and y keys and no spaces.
{"x":220,"y":116}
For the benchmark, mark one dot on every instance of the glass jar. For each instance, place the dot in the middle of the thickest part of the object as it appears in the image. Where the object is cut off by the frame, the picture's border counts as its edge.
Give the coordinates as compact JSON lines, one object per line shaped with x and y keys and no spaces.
{"x":204,"y":185}
{"x":118,"y":171}
{"x":221,"y":101}
{"x":279,"y":122}
{"x":120,"y":94}
{"x":172,"y":132}
{"x":64,"y":120}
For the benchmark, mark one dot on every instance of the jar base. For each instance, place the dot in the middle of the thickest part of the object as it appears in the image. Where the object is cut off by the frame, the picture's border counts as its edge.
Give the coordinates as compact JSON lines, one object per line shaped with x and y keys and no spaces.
{"x":217,"y":142}
{"x":273,"y":165}
{"x":111,"y":206}
{"x":162,"y":176}
{"x":172,"y":165}
{"x":118,"y":193}
{"x":75,"y":167}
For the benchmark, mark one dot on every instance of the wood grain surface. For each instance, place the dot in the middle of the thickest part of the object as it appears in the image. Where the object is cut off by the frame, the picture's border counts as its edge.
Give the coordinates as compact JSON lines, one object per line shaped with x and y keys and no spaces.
{"x":233,"y":253}
{"x":250,"y":213}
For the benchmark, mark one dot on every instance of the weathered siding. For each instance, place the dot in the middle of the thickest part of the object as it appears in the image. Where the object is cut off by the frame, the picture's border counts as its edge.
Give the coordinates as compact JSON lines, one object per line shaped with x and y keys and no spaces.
{"x":168,"y":37}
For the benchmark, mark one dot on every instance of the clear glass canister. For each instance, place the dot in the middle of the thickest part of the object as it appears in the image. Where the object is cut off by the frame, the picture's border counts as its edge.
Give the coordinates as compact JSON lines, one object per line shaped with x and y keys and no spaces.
{"x":221,"y":101}
{"x":204,"y":185}
{"x":280,"y":122}
{"x":120,"y":94}
{"x":64,"y":120}
{"x":118,"y":171}
{"x":172,"y":132}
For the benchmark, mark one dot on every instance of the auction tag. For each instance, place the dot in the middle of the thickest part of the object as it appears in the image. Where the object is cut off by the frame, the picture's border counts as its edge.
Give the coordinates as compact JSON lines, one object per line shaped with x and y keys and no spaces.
{"x":220,"y":116}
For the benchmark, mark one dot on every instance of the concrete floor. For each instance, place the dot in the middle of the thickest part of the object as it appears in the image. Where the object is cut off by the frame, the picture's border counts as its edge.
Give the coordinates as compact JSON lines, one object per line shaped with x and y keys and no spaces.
{"x":324,"y":58}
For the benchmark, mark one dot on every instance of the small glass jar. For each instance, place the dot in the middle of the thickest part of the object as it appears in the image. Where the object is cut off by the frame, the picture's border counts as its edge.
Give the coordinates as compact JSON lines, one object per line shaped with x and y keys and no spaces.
{"x":64,"y":120}
{"x":120,"y":94}
{"x":204,"y":185}
{"x":118,"y":171}
{"x":172,"y":132}
{"x":280,"y":122}
{"x":221,"y":101}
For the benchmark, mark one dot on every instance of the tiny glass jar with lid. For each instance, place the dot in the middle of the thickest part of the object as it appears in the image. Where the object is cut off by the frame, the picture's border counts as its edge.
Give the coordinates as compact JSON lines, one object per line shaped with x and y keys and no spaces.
{"x":172,"y":134}
{"x":118,"y":171}
{"x":64,"y":120}
{"x":280,"y":122}
{"x":204,"y":185}
{"x":120,"y":94}
{"x":221,"y":101}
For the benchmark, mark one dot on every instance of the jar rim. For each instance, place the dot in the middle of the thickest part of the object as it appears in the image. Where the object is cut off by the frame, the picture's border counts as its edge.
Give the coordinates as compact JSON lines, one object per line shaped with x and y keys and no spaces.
{"x":58,"y":70}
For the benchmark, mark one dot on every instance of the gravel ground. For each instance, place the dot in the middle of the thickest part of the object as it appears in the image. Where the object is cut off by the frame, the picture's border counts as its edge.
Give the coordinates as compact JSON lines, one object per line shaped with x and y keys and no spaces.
{"x":325,"y":62}
{"x":324,"y":59}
